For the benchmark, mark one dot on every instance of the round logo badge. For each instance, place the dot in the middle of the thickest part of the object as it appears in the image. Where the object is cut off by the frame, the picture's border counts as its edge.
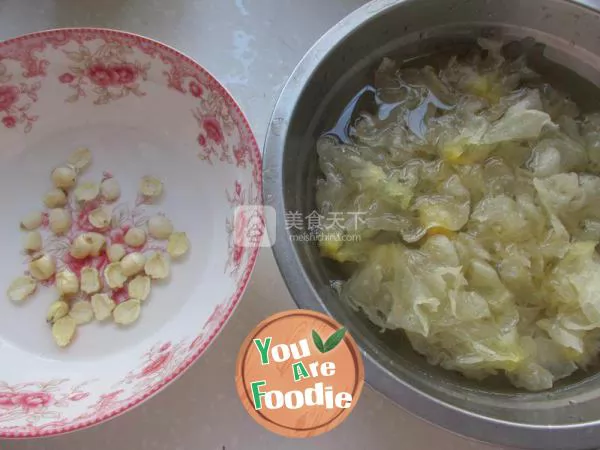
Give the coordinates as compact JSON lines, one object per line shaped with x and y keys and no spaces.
{"x":299,"y":373}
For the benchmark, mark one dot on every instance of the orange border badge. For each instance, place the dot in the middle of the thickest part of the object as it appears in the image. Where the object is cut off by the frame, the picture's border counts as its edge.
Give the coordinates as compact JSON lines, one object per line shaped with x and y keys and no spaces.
{"x":299,"y":373}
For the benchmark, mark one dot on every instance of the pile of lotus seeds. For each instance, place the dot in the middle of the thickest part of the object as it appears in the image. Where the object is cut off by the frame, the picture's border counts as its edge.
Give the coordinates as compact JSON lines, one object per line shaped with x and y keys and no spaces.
{"x":87,"y":296}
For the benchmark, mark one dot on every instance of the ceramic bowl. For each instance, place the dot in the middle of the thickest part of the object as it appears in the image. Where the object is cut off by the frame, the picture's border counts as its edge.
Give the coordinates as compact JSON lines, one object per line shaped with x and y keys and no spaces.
{"x":142,"y":108}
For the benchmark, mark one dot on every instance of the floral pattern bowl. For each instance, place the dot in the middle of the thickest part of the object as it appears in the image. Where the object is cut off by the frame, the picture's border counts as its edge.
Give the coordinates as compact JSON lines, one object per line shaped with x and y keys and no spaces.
{"x":143,"y":109}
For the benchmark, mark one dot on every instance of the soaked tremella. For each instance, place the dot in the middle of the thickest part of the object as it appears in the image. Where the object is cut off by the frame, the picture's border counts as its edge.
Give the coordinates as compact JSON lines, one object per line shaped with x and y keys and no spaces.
{"x":478,"y":189}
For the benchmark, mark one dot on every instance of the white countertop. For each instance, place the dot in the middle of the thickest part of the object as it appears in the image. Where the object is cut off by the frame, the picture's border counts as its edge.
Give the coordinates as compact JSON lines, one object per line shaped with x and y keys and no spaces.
{"x":251,"y":46}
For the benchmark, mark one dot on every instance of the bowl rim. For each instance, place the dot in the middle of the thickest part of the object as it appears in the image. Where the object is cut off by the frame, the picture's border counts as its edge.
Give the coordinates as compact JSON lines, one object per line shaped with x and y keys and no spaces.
{"x":436,"y":412}
{"x":242,"y":284}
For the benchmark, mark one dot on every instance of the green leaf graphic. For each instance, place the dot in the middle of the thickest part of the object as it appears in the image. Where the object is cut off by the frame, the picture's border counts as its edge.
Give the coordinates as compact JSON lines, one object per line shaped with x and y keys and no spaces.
{"x":318,"y":341}
{"x":333,"y":340}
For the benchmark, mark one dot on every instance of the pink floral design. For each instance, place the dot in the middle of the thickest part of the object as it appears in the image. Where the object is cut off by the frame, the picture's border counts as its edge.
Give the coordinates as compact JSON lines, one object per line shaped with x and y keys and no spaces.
{"x":111,"y":395}
{"x":216,"y":315}
{"x":9,"y":121}
{"x":15,"y":101}
{"x":66,"y":78}
{"x":166,"y":346}
{"x":212,"y":138}
{"x":195,"y":89}
{"x":78,"y":396}
{"x":213,"y":130}
{"x":107,"y":73}
{"x":160,"y":359}
{"x":241,"y":155}
{"x":239,"y":227}
{"x":28,"y":56}
{"x":197,"y":341}
{"x":245,"y":229}
{"x":17,"y":98}
{"x":156,"y":364}
{"x":100,"y":75}
{"x":236,"y":258}
{"x":113,"y":75}
{"x":218,"y":137}
{"x":7,"y":399}
{"x":33,"y":400}
{"x":123,"y":74}
{"x":8,"y":97}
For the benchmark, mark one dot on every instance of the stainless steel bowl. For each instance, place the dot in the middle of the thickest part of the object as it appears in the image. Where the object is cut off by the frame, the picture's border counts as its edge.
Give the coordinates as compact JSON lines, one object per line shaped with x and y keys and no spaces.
{"x":568,"y":417}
